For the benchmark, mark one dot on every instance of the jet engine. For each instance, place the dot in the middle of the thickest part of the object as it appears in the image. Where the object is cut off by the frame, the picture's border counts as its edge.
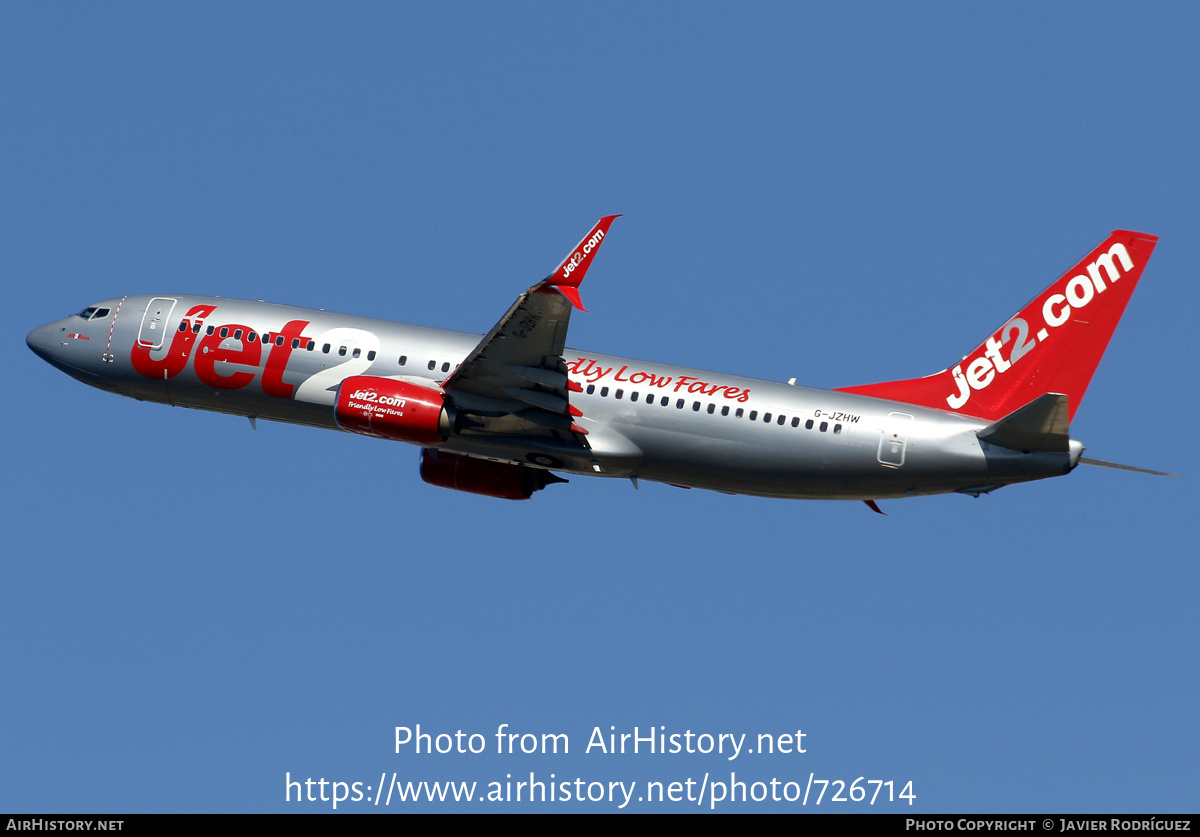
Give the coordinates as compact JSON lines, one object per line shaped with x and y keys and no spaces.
{"x":390,"y":409}
{"x":480,"y":476}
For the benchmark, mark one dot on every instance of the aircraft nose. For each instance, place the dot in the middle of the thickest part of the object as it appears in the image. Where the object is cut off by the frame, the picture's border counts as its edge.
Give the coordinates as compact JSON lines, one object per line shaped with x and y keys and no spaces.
{"x":43,"y":340}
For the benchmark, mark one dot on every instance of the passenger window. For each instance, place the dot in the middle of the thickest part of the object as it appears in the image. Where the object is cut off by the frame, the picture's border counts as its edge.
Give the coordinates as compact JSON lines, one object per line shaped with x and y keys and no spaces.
{"x":633,"y":396}
{"x":341,"y":351}
{"x":837,"y":428}
{"x":782,"y":419}
{"x":403,"y":359}
{"x":725,"y":411}
{"x":196,"y":327}
{"x":619,"y":393}
{"x":325,"y":349}
{"x":739,"y":413}
{"x":808,"y":424}
{"x":224,"y":332}
{"x":278,"y":339}
{"x":591,"y":389}
{"x":796,"y":421}
{"x":679,"y":404}
{"x":312,"y":344}
{"x":183,"y":325}
{"x":604,"y":392}
{"x":296,"y":343}
{"x":665,"y":401}
{"x":824,"y":426}
{"x":210,"y":331}
{"x":711,"y":408}
{"x":250,"y":335}
{"x":237,"y":334}
{"x":753,"y":415}
{"x":695,"y":406}
{"x":446,"y":367}
{"x":766,"y":418}
{"x":371,"y":355}
{"x":356,"y":353}
{"x":432,"y":365}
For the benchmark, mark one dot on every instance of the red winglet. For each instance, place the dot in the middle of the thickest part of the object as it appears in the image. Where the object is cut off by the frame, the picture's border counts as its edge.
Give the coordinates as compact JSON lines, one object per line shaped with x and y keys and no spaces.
{"x":575,"y":428}
{"x":571,"y":294}
{"x":574,"y":411}
{"x":567,"y":276}
{"x":573,"y":387}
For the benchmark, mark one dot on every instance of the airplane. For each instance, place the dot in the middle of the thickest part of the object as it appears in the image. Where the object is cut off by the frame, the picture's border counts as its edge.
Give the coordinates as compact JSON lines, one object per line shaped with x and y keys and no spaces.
{"x":498,"y":415}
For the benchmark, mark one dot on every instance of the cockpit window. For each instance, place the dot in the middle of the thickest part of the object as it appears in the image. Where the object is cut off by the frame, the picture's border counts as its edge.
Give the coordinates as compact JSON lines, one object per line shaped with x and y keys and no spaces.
{"x":92,"y":312}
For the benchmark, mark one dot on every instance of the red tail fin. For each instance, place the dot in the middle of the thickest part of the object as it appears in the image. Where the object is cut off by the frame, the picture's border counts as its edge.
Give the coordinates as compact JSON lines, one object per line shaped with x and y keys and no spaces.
{"x":1052,"y":345}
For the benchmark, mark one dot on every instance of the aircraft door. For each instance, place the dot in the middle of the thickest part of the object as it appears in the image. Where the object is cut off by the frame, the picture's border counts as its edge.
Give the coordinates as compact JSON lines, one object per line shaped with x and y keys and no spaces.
{"x":154,"y":322}
{"x":894,"y":439}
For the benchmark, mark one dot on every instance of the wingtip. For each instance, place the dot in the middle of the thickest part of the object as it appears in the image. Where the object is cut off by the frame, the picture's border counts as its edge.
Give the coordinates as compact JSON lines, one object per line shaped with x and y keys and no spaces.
{"x":567,"y":277}
{"x":572,"y":294}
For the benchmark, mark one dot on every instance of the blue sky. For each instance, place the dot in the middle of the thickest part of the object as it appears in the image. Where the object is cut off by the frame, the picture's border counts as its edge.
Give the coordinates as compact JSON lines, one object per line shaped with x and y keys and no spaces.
{"x":193,"y":610}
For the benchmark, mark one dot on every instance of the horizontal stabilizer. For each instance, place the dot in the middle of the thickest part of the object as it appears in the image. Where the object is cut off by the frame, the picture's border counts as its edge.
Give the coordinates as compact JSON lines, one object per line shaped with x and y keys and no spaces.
{"x":1042,"y":425}
{"x":1087,"y":460}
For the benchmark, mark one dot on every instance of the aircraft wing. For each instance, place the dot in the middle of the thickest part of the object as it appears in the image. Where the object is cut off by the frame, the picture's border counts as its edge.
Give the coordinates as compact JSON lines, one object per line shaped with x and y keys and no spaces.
{"x":514,"y":383}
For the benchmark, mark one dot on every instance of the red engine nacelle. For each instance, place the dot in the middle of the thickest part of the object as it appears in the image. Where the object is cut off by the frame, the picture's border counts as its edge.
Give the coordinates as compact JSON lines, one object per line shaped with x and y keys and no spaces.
{"x":392,"y":409}
{"x":479,"y":476}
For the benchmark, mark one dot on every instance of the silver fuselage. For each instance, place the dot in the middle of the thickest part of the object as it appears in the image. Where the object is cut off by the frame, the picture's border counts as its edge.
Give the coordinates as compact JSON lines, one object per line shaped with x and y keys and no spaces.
{"x":645,"y":420}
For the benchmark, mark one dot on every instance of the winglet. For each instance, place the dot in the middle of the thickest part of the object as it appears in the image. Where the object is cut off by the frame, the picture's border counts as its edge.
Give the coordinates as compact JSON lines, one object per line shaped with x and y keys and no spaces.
{"x":567,"y":276}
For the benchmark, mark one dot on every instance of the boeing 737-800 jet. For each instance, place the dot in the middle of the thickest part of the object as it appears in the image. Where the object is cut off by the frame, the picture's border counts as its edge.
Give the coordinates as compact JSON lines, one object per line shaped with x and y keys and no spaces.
{"x":497,"y":415}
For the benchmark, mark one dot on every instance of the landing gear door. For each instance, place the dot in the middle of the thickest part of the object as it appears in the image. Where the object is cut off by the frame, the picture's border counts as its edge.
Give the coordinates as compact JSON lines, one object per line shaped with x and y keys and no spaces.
{"x":154,"y":322}
{"x":894,"y":439}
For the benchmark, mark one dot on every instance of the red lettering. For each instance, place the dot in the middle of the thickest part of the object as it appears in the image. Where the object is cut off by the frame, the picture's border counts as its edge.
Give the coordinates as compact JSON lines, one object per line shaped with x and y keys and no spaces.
{"x":618,"y":375}
{"x":585,"y":371}
{"x":277,"y":359}
{"x":176,"y":358}
{"x":211,"y":353}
